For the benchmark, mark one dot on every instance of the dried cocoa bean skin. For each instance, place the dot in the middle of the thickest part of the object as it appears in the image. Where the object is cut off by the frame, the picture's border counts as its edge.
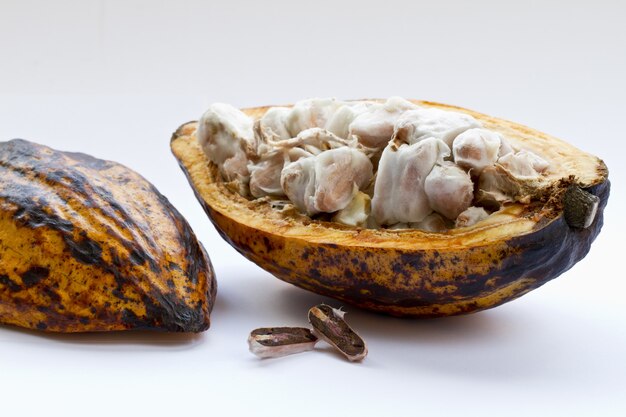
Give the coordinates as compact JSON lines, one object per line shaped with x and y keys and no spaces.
{"x":89,"y":245}
{"x":274,"y":342}
{"x":396,"y":272}
{"x":329,"y":325}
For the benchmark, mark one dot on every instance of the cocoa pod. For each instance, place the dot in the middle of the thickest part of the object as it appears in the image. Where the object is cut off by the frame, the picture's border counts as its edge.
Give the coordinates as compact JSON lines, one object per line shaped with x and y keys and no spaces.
{"x":414,"y":272}
{"x":90,"y":245}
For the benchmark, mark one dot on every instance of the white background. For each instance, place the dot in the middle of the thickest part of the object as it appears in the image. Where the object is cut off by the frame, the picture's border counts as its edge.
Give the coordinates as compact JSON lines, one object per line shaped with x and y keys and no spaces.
{"x":115,"y":79}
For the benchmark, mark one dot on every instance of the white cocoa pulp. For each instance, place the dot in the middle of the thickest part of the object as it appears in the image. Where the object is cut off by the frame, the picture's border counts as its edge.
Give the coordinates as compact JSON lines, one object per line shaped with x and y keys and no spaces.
{"x":392,"y":164}
{"x":399,"y":195}
{"x":227,"y":137}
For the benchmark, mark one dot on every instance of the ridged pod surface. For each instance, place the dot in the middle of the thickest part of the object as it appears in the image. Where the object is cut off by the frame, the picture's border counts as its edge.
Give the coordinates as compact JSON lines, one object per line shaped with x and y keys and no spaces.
{"x":412,"y":272}
{"x":90,"y":245}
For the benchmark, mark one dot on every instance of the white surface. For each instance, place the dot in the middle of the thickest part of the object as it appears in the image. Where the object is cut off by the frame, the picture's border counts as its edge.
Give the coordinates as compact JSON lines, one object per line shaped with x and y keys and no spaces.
{"x":114,"y":79}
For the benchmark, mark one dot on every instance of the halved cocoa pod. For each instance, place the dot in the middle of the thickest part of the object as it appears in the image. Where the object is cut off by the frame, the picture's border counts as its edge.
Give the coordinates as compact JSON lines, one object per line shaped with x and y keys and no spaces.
{"x":90,"y":245}
{"x":414,"y":272}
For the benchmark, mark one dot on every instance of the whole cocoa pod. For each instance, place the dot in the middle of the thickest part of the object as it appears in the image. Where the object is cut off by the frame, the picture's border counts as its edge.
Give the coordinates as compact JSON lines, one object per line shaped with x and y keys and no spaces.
{"x":90,"y":245}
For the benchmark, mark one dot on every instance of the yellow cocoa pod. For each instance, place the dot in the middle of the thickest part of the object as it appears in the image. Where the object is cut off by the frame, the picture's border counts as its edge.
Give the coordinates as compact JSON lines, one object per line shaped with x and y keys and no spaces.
{"x":90,"y":245}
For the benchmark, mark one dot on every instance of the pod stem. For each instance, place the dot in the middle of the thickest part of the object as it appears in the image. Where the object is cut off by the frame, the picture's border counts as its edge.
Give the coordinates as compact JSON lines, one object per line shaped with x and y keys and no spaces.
{"x":580,"y":207}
